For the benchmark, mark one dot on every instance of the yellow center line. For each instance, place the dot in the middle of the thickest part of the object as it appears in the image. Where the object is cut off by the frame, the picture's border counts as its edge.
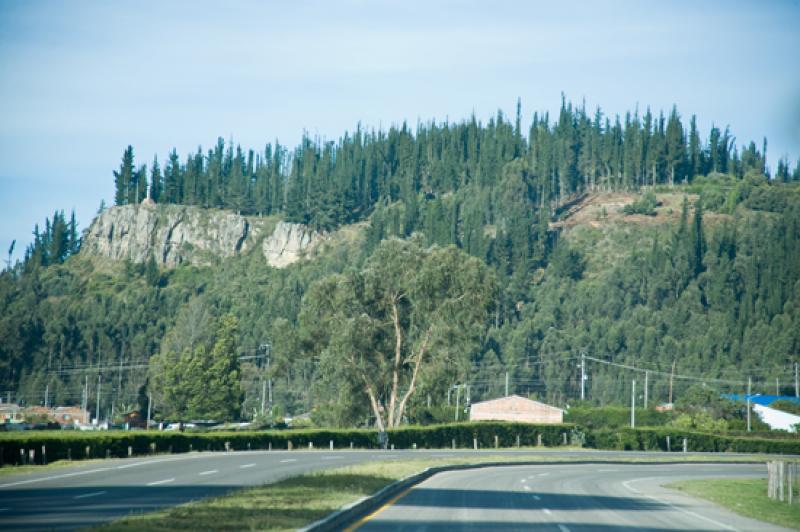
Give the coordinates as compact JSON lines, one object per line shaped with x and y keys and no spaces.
{"x":391,"y":501}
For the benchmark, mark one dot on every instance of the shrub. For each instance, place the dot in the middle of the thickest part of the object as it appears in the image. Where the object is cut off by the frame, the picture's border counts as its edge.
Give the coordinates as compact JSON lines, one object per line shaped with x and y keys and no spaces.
{"x":645,"y":205}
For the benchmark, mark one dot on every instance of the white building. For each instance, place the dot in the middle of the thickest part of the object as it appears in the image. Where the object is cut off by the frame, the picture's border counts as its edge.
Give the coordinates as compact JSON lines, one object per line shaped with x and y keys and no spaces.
{"x":515,"y":408}
{"x":777,"y":419}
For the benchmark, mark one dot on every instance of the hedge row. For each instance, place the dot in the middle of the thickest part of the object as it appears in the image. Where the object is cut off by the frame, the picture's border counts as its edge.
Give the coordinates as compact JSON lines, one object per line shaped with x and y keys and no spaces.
{"x":15,"y":448}
{"x":81,"y":445}
{"x":655,"y":439}
{"x":465,"y":435}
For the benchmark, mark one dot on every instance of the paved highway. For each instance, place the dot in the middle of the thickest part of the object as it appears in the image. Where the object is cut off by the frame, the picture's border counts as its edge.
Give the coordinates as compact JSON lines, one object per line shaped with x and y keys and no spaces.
{"x":563,"y":498}
{"x":92,"y":493}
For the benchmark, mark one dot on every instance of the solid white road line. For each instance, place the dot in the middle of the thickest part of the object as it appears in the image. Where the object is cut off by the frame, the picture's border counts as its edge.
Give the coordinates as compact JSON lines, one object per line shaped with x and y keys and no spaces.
{"x":4,"y":509}
{"x":332,"y":457}
{"x":245,"y":466}
{"x":87,"y":495}
{"x":289,"y":460}
{"x":693,"y":514}
{"x":209,"y":472}
{"x":54,"y":477}
{"x":158,"y":482}
{"x":675,"y":507}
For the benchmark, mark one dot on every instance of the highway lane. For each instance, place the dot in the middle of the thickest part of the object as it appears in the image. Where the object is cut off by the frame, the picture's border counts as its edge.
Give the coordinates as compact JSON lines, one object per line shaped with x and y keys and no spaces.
{"x":563,"y":498}
{"x":102,"y":491}
{"x":92,"y":493}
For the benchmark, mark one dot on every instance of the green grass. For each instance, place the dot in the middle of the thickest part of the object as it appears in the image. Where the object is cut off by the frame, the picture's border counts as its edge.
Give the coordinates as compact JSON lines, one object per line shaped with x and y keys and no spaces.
{"x":747,"y":497}
{"x":298,"y":501}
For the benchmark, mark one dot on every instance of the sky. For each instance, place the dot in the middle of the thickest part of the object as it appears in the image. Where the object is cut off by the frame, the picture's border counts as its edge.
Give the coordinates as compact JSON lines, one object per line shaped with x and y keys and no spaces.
{"x":81,"y":80}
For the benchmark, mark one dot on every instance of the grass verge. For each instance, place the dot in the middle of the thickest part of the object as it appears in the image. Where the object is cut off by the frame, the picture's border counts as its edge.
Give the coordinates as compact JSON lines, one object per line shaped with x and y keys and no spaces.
{"x":747,"y":497}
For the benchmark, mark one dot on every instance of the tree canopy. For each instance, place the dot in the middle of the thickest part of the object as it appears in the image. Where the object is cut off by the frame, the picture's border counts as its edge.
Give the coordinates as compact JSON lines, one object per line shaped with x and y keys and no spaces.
{"x":410,"y":314}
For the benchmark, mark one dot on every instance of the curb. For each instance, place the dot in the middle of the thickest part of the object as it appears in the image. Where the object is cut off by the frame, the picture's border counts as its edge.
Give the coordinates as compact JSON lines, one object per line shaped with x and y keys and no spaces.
{"x":351,"y":513}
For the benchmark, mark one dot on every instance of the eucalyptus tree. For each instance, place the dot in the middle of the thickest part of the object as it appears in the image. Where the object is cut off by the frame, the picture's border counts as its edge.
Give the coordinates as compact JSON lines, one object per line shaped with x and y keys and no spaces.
{"x":410,"y":314}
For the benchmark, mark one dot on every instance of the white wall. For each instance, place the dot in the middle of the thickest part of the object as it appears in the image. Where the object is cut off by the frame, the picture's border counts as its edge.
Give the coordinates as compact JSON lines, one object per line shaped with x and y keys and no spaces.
{"x":777,"y":419}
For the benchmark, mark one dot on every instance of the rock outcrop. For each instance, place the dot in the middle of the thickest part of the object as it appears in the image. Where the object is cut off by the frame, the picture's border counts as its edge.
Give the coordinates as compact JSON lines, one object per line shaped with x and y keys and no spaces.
{"x":176,"y":234}
{"x":288,"y":243}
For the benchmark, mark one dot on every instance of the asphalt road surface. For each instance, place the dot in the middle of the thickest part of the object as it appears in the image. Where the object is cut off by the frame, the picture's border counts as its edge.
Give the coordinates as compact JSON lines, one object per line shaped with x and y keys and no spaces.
{"x":563,"y":498}
{"x":97,"y":492}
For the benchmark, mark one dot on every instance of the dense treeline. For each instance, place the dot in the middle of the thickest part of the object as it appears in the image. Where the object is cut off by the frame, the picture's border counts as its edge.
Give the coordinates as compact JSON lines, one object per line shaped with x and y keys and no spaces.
{"x":326,"y":183}
{"x":713,"y":294}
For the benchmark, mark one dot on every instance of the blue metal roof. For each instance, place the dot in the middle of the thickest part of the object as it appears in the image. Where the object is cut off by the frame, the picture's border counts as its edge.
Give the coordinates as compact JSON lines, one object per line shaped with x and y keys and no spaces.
{"x":759,"y":399}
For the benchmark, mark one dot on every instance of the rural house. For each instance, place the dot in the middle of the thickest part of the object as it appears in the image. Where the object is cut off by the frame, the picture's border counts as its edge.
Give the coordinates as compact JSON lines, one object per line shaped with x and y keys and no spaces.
{"x":515,"y":408}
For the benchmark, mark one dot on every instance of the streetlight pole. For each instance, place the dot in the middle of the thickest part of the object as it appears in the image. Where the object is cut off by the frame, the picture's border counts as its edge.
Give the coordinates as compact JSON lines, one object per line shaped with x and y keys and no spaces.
{"x":583,"y":376}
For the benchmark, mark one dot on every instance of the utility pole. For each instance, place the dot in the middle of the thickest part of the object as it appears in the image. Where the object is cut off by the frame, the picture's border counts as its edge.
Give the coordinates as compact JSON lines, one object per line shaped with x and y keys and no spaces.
{"x":633,"y":404}
{"x":269,"y":380}
{"x":777,"y":387}
{"x":506,"y":383}
{"x":646,"y":376}
{"x":671,"y":377}
{"x":46,"y":395}
{"x":149,"y":407}
{"x":458,"y":397}
{"x":263,"y":395}
{"x":749,"y":388}
{"x":97,"y":408}
{"x":796,"y":383}
{"x":583,"y":376}
{"x":266,"y":384}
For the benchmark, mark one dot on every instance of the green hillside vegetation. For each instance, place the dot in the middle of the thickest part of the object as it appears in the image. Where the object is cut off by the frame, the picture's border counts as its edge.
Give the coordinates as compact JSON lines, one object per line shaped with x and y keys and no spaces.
{"x":500,"y":252}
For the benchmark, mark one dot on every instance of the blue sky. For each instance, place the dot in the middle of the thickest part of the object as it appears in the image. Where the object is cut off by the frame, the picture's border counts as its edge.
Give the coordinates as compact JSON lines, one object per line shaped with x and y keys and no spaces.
{"x":79,"y":81}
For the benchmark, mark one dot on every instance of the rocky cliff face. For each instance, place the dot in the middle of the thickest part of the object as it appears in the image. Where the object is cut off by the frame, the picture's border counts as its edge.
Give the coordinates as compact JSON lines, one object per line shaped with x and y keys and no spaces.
{"x":176,"y":234}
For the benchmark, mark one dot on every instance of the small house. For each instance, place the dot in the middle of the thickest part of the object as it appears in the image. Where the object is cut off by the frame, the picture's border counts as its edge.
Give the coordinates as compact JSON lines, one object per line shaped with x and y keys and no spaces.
{"x":10,"y":413}
{"x":517,"y":409}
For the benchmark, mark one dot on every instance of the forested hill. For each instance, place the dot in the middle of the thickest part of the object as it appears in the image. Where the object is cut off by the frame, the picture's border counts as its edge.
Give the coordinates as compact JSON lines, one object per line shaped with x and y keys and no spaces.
{"x":632,"y":241}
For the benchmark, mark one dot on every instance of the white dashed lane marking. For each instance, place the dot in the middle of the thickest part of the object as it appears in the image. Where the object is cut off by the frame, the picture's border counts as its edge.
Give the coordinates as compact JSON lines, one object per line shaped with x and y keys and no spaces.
{"x":209,"y":472}
{"x":159,"y":482}
{"x":87,"y":495}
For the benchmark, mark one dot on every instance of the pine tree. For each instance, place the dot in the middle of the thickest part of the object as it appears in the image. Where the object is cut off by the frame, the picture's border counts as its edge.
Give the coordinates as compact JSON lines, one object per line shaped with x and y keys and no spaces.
{"x":156,"y":181}
{"x":124,"y":177}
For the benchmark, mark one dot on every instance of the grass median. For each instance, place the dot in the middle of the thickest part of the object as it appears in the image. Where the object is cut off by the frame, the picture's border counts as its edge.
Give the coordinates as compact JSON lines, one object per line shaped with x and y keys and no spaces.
{"x":747,"y":497}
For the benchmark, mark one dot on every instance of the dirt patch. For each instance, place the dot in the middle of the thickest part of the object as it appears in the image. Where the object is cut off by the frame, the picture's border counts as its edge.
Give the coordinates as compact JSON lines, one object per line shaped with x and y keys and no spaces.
{"x":599,"y":209}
